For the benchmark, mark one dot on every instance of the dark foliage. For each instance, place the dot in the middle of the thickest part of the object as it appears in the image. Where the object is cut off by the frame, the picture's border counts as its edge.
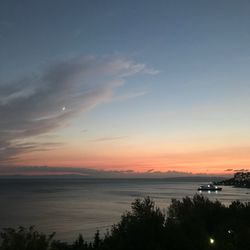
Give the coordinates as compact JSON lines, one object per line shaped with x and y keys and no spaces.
{"x":24,"y":239}
{"x":197,"y":224}
{"x":143,"y":228}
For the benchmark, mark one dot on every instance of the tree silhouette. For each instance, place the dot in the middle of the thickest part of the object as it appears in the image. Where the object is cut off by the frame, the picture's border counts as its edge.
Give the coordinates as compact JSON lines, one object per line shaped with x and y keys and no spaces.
{"x":191,"y":223}
{"x":24,"y":239}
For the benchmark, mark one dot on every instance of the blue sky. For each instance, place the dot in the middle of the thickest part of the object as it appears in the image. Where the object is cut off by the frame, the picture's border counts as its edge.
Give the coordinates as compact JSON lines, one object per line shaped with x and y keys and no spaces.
{"x":172,"y":75}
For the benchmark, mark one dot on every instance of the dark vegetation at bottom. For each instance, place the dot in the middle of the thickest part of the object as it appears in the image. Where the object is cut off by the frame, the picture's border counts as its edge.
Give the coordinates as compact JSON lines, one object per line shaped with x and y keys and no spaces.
{"x":193,"y":223}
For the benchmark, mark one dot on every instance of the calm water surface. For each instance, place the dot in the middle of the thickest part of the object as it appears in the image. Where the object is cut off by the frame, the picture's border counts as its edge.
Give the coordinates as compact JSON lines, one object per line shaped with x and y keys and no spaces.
{"x":73,"y":206}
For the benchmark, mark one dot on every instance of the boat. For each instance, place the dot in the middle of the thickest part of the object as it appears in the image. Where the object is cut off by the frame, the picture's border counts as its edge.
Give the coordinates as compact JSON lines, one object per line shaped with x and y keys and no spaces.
{"x":209,"y":187}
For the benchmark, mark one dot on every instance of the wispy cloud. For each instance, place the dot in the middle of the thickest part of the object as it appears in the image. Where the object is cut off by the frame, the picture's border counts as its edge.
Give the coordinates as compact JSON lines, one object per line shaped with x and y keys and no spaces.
{"x":241,"y":170}
{"x":228,"y":170}
{"x":109,"y":138}
{"x":129,"y":96}
{"x":36,"y":105}
{"x":237,"y":170}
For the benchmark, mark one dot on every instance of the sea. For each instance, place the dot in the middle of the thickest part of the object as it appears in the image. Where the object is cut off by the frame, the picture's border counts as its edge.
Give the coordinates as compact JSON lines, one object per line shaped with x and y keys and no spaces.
{"x":70,"y":206}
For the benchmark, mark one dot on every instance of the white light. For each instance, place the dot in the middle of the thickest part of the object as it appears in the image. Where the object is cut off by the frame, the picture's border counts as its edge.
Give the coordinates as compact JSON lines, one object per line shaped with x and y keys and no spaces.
{"x":63,"y":108}
{"x":211,"y":240}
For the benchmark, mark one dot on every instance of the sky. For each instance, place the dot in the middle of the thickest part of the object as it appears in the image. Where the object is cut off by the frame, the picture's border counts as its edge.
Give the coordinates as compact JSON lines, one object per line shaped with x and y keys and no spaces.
{"x":149,"y":86}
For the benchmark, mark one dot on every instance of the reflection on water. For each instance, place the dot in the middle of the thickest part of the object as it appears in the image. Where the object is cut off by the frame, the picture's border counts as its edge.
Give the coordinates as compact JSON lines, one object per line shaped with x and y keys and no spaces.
{"x":73,"y":206}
